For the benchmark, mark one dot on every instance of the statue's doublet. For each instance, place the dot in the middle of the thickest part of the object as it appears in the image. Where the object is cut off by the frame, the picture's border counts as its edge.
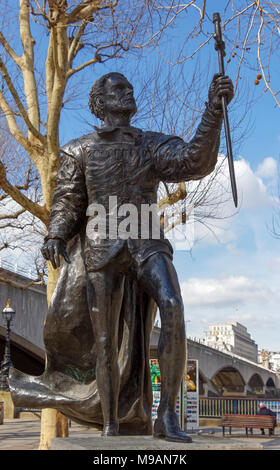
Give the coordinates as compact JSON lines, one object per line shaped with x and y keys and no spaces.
{"x":124,"y":165}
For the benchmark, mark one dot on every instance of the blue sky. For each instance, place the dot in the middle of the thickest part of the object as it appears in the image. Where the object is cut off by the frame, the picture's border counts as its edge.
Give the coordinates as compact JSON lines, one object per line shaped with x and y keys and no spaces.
{"x":236,"y":275}
{"x":240,"y":274}
{"x":237,"y":278}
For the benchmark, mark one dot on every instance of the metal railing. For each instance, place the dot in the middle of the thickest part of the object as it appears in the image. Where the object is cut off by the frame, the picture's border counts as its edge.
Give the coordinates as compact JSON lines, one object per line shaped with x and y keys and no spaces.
{"x":216,"y":407}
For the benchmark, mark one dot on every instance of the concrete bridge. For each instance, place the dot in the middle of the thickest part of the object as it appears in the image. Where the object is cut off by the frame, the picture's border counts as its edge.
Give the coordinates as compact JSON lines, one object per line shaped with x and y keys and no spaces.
{"x":226,"y":374}
{"x":30,"y":304}
{"x":220,"y":373}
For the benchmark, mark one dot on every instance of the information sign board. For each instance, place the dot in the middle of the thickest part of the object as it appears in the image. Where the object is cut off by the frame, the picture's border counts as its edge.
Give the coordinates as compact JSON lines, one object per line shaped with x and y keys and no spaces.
{"x":192,"y":398}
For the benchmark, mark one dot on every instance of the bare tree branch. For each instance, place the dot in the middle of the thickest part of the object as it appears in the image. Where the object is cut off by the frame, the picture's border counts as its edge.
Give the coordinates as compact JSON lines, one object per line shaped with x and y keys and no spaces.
{"x":87,"y":8}
{"x":14,"y":129}
{"x":19,"y":104}
{"x":171,"y":198}
{"x":12,"y":216}
{"x":27,"y":66}
{"x":260,"y":59}
{"x":74,"y":45}
{"x":21,"y":199}
{"x":9,"y":49}
{"x":9,"y":282}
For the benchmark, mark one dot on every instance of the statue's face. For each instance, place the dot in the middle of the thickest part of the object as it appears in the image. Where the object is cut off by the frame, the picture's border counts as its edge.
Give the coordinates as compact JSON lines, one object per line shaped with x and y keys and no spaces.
{"x":118,"y":96}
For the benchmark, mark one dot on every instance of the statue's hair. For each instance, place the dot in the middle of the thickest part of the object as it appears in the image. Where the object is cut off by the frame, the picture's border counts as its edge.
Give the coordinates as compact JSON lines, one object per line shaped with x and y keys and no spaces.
{"x":97,"y":90}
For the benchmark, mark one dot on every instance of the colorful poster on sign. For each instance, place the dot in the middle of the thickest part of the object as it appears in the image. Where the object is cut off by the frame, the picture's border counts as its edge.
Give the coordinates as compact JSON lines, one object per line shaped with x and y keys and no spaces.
{"x":192,"y":375}
{"x":155,"y":373}
{"x":156,"y":385}
{"x":192,"y":398}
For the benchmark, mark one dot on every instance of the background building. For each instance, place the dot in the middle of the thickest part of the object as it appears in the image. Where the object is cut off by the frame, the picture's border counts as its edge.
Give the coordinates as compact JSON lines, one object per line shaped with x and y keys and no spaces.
{"x":268,"y":359}
{"x":232,"y":337}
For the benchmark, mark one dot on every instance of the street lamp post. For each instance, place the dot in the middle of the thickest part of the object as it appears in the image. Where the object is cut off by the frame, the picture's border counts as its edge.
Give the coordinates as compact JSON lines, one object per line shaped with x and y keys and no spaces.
{"x":8,"y":315}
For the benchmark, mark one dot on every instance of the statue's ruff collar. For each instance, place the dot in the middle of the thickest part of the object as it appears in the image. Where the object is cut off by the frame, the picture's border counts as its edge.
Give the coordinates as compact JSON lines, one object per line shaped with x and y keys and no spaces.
{"x":118,"y":133}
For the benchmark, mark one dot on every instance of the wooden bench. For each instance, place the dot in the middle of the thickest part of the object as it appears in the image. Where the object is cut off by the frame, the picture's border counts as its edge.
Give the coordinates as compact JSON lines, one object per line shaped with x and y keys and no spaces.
{"x":248,"y":422}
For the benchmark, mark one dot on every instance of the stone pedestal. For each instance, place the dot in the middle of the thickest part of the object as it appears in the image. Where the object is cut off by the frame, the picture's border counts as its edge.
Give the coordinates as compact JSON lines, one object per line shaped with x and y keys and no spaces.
{"x":149,"y":443}
{"x":10,"y":411}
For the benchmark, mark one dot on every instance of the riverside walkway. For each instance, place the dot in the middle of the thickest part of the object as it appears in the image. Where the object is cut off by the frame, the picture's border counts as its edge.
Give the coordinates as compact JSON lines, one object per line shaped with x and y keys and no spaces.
{"x":24,"y":434}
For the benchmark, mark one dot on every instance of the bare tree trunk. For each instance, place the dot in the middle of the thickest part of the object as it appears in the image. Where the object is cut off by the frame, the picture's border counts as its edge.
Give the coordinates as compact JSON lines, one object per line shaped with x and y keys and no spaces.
{"x":53,"y":423}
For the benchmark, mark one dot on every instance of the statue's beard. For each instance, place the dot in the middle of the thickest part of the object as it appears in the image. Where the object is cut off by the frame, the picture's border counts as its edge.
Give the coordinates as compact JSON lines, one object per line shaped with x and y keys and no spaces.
{"x":125,"y":112}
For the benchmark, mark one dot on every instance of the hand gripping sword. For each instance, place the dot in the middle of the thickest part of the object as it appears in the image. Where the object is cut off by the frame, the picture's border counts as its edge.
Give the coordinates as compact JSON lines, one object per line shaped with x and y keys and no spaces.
{"x":220,"y":47}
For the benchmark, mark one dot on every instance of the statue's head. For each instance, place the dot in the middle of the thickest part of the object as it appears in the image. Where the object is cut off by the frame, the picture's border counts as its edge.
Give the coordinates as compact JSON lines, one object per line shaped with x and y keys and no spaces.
{"x":112,"y":93}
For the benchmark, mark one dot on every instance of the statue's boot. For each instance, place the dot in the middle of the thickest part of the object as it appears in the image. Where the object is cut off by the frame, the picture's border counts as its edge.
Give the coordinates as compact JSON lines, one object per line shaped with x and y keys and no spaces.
{"x":111,"y":429}
{"x":166,"y":426}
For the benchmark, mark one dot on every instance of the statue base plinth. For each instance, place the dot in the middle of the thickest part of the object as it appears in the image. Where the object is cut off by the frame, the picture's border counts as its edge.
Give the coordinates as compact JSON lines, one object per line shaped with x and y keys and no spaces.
{"x":146,"y":443}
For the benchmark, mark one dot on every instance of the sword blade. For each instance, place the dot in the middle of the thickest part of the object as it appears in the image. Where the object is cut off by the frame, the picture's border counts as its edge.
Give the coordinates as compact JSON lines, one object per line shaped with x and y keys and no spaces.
{"x":229,"y":153}
{"x":220,"y":47}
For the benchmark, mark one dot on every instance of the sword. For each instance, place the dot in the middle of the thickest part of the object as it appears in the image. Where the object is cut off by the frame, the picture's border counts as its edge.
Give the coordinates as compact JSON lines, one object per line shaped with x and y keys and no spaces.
{"x":220,"y":47}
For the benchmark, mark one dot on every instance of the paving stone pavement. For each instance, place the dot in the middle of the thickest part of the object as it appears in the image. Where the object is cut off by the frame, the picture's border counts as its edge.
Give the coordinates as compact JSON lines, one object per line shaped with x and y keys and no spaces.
{"x":24,"y":434}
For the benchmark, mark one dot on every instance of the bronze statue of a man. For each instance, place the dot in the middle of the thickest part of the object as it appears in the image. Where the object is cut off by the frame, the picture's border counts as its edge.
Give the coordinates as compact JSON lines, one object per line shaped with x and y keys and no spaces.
{"x":124,"y":279}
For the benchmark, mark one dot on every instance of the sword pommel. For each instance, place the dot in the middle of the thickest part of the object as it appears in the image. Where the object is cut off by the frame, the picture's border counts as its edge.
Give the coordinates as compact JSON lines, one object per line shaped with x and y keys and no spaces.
{"x":216,"y":17}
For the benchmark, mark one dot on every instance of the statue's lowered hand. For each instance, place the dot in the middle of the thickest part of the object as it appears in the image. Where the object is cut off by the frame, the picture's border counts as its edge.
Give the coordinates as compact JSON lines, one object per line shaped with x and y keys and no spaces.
{"x":53,"y":249}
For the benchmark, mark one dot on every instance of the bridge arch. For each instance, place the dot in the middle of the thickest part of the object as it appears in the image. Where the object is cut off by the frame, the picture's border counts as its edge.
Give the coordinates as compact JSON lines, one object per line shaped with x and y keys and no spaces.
{"x":228,"y":380}
{"x":256,"y":383}
{"x":270,"y":382}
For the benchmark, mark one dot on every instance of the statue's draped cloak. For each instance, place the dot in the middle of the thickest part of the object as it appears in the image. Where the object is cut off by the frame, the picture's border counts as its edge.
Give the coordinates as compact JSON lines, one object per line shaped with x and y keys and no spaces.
{"x":68,"y":382}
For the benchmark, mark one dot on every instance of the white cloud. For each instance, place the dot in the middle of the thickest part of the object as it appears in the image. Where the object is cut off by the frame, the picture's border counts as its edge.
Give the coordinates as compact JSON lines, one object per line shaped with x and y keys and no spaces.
{"x":23,"y":235}
{"x":223,"y":292}
{"x":254,"y":189}
{"x":241,"y":259}
{"x":253,"y":193}
{"x":268,"y":169}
